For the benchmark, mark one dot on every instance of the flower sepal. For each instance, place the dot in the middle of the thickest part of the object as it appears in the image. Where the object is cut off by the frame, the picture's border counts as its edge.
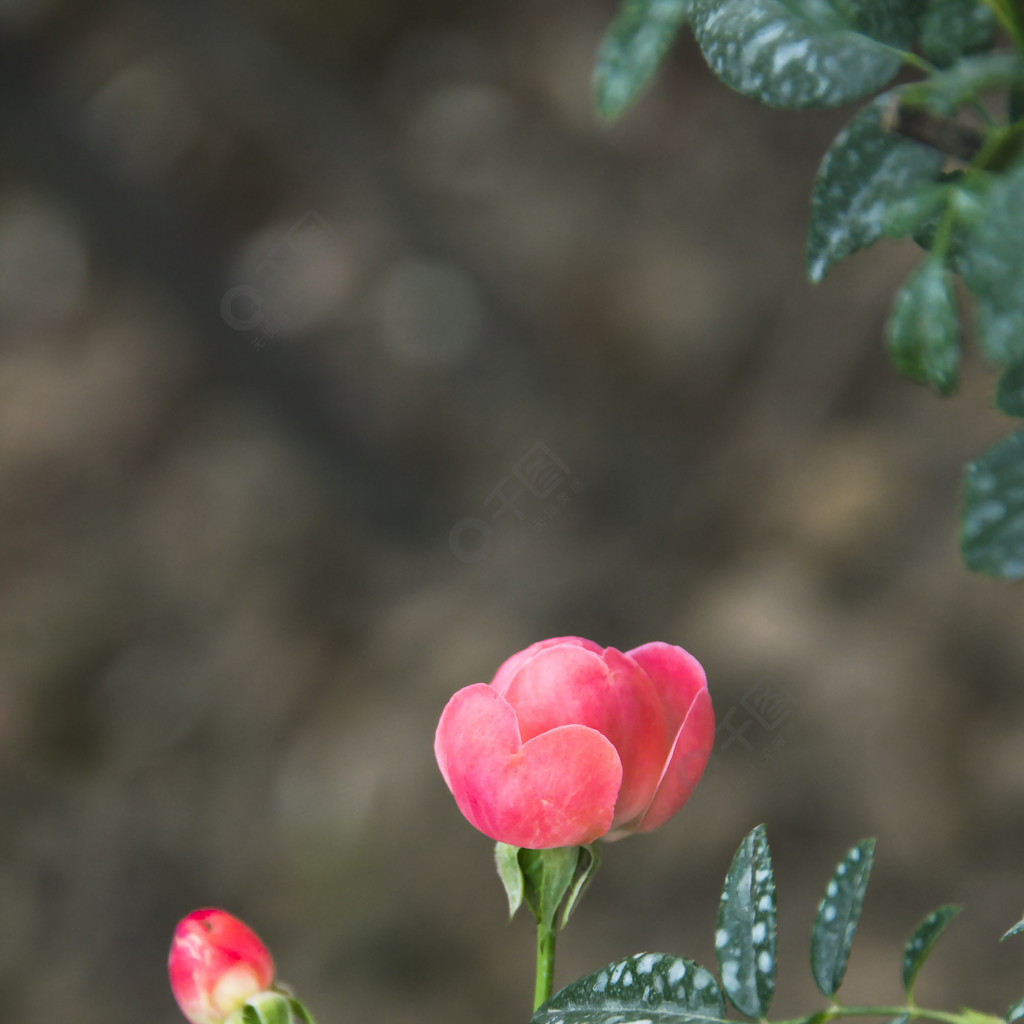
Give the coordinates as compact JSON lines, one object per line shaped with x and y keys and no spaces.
{"x":546,"y":879}
{"x":271,"y":1007}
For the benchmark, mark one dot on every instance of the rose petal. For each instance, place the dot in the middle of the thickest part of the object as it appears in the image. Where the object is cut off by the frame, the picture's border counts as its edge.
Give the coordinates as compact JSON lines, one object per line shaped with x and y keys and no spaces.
{"x":686,"y":763}
{"x":509,"y":667}
{"x":558,"y":789}
{"x":566,"y":684}
{"x":677,"y":677}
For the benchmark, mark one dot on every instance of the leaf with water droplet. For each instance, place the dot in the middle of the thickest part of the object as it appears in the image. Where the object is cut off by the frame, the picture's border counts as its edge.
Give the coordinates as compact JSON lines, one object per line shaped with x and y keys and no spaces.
{"x":652,"y":987}
{"x":838,"y":915}
{"x":745,"y":938}
{"x":921,"y":943}
{"x":633,"y":49}
{"x":992,"y":524}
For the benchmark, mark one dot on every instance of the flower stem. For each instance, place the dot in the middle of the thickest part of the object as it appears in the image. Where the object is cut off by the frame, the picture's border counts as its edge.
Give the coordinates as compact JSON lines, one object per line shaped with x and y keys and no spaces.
{"x":545,"y":965}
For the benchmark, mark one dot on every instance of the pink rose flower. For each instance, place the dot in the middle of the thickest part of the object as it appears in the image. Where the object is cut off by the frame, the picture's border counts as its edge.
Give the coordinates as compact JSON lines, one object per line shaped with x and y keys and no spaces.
{"x":216,"y":963}
{"x":571,"y":742}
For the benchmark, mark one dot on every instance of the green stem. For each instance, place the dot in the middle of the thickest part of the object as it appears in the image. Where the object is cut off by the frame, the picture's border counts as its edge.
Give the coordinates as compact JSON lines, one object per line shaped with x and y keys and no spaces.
{"x":545,"y":965}
{"x":1009,"y":19}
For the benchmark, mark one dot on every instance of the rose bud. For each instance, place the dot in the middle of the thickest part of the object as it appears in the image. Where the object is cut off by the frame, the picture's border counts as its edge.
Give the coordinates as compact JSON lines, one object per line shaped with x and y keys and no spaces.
{"x":571,"y":742}
{"x":216,"y":963}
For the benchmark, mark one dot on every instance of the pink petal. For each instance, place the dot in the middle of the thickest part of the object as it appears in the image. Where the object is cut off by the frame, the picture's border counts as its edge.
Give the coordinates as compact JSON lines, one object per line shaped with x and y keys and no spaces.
{"x":558,"y":789}
{"x":677,"y":677}
{"x":509,"y":667}
{"x":686,"y":763}
{"x":570,"y":684}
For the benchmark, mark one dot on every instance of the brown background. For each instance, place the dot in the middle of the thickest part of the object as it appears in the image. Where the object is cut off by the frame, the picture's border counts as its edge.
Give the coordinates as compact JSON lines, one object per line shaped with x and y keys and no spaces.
{"x":231,"y":607}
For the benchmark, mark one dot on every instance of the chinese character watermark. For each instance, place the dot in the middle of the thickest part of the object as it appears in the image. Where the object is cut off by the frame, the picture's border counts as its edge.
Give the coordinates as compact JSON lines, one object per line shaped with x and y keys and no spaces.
{"x":760,"y":723}
{"x":258,"y":306}
{"x":527,"y":500}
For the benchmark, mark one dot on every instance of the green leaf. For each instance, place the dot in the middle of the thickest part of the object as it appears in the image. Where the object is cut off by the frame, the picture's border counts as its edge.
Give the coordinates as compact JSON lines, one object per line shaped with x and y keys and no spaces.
{"x":1015,"y":1012}
{"x":921,"y":943}
{"x":865,"y":172}
{"x":1017,"y":929}
{"x":838,"y":914}
{"x":951,"y":29}
{"x":992,"y":528}
{"x":804,"y":53}
{"x":506,"y":860}
{"x":945,"y":91}
{"x":924,"y":329}
{"x":633,"y":49}
{"x":1010,"y":397}
{"x":993,"y":266}
{"x":652,"y":987}
{"x":745,"y":937}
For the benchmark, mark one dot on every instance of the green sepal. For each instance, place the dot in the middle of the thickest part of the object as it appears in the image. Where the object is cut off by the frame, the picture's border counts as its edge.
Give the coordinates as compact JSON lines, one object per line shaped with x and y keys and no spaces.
{"x":924,"y":329}
{"x":838,"y":916}
{"x":992,"y":526}
{"x":548,"y":876}
{"x":655,"y":988}
{"x":633,"y":49}
{"x":299,"y":1012}
{"x":506,"y":860}
{"x":546,"y":879}
{"x":745,"y":936}
{"x":921,"y":943}
{"x":586,"y":867}
{"x":267,"y":1008}
{"x":1017,"y":929}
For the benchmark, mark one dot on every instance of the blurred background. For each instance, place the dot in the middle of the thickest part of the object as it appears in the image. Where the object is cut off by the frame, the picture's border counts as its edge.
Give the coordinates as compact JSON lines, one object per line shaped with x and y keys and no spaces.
{"x":344,"y":354}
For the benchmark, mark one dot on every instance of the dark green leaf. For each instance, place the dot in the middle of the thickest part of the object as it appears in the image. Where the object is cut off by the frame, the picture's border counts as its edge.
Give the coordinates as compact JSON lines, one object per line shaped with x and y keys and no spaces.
{"x":1017,"y":929}
{"x":993,"y":266}
{"x":865,"y":172}
{"x":951,"y":29}
{"x":838,"y":914}
{"x":920,"y":944}
{"x":992,"y":529}
{"x":1015,"y":1012}
{"x":652,"y":987}
{"x":746,"y":936}
{"x":803,"y":53}
{"x":1010,"y":399}
{"x":924,"y":330}
{"x":633,"y":49}
{"x":506,"y":860}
